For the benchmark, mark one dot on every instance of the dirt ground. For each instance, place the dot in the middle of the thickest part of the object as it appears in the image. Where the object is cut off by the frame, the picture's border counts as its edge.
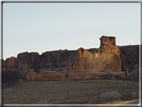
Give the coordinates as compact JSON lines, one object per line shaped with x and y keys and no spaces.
{"x":65,"y":92}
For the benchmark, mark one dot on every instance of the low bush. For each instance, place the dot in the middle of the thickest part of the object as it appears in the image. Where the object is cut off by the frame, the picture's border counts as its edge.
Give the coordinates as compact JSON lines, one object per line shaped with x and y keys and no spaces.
{"x":110,"y":96}
{"x":130,"y":95}
{"x":135,"y":94}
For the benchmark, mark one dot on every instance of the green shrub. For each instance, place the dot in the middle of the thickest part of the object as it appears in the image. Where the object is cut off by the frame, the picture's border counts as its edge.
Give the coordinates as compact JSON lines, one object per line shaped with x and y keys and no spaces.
{"x":110,"y":96}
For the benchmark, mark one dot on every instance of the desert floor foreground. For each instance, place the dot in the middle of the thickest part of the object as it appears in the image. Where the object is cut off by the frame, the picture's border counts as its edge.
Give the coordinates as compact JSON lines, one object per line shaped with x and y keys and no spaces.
{"x":66,"y":92}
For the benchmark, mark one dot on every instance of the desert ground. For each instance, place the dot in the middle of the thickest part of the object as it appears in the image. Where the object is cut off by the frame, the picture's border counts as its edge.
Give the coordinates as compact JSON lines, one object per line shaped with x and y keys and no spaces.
{"x":68,"y":92}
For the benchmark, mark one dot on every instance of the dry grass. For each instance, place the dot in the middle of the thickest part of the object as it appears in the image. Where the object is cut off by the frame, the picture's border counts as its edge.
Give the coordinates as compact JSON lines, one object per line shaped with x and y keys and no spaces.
{"x":121,"y":102}
{"x":69,"y":92}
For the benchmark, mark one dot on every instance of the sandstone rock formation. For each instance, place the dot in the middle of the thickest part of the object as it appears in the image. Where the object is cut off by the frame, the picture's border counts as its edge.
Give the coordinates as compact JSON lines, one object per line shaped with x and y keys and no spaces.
{"x":24,"y":61}
{"x":131,"y":52}
{"x":17,"y":68}
{"x":31,"y":76}
{"x":27,"y":60}
{"x":135,"y":73}
{"x":51,"y":75}
{"x":45,"y":75}
{"x":108,"y":58}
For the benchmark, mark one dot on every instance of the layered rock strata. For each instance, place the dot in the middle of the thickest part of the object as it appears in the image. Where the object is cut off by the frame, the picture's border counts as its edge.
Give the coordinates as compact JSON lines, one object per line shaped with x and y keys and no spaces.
{"x":108,"y":58}
{"x":45,"y":75}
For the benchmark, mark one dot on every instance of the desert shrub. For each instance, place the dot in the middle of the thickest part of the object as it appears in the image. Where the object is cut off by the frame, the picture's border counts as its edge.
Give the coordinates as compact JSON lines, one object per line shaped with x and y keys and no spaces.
{"x":135,"y":94}
{"x":129,"y":95}
{"x":110,"y":96}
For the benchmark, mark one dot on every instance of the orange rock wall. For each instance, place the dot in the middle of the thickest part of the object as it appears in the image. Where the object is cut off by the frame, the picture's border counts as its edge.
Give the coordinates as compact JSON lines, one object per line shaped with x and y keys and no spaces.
{"x":45,"y":75}
{"x":108,"y":58}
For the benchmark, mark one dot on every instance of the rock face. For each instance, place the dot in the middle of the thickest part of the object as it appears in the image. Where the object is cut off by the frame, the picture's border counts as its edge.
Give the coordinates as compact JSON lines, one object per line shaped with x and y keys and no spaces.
{"x":108,"y":58}
{"x":16,"y":68}
{"x":31,"y":76}
{"x":27,"y":60}
{"x":132,"y":56}
{"x":81,"y":63}
{"x":55,"y":60}
{"x":10,"y":64}
{"x":48,"y":75}
{"x":45,"y":75}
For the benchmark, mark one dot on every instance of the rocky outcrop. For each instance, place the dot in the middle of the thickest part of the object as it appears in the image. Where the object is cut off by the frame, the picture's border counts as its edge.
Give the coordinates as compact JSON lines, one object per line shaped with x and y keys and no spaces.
{"x":16,"y":68}
{"x":48,"y":75}
{"x":31,"y":76}
{"x":132,"y":55}
{"x":27,"y":60}
{"x":10,"y":64}
{"x":131,"y":52}
{"x":54,"y":60}
{"x":24,"y":61}
{"x":108,"y":58}
{"x":135,"y":73}
{"x":45,"y":75}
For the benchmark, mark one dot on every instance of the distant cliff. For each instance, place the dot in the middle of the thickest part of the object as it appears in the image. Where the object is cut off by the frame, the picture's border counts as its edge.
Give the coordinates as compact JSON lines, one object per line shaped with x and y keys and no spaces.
{"x":15,"y":68}
{"x":131,"y":52}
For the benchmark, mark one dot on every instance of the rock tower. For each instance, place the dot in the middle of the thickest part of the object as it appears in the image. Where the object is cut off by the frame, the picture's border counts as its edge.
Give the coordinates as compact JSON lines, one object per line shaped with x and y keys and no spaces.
{"x":108,"y":59}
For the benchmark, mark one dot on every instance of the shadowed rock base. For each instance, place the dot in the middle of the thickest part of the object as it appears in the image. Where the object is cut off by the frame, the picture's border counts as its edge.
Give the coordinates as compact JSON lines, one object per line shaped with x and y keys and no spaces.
{"x":96,"y":75}
{"x":48,"y":75}
{"x":45,"y":75}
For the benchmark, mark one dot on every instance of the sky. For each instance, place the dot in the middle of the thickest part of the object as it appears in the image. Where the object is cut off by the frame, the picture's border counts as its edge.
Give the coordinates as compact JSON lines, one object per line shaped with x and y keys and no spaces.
{"x":41,"y":27}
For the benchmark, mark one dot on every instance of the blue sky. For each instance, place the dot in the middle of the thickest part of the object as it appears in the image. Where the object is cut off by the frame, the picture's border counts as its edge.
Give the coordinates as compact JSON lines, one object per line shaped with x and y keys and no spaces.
{"x":40,"y":27}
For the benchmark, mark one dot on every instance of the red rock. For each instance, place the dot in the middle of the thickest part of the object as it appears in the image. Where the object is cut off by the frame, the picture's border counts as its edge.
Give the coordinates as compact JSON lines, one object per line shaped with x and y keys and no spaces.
{"x":32,"y":76}
{"x":27,"y":60}
{"x":11,"y":62}
{"x":51,"y":75}
{"x":22,"y":81}
{"x":46,"y":75}
{"x":107,"y":58}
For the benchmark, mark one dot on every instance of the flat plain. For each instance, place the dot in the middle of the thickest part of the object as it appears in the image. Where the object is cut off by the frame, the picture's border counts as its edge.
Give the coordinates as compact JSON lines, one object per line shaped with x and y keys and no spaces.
{"x":66,"y":92}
